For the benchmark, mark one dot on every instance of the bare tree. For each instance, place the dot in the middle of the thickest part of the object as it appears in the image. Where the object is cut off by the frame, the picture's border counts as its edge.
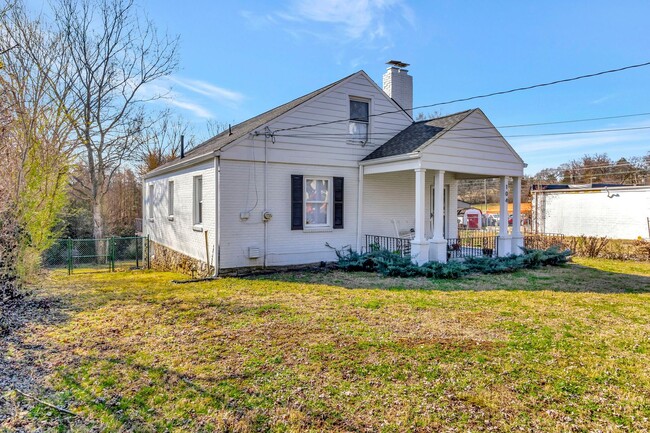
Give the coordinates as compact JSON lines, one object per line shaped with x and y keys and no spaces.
{"x":116,"y":54}
{"x":36,"y":147}
{"x":214,"y":127}
{"x":163,"y":140}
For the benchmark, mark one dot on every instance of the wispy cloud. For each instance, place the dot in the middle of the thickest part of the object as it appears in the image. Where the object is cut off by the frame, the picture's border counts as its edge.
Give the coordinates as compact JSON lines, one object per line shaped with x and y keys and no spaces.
{"x":196,"y":109}
{"x":217,"y":93}
{"x":551,"y":151}
{"x":589,"y":141}
{"x":352,"y":20}
{"x":603,"y":99}
{"x":194,"y":96}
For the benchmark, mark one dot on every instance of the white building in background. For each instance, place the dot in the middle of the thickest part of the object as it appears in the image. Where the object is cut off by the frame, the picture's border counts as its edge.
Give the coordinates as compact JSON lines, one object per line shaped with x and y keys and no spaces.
{"x":618,"y":212}
{"x":332,"y":167}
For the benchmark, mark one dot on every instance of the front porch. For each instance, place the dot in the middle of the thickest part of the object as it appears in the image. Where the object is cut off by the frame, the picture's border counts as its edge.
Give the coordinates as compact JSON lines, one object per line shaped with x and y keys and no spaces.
{"x":414,"y":212}
{"x":413,"y":179}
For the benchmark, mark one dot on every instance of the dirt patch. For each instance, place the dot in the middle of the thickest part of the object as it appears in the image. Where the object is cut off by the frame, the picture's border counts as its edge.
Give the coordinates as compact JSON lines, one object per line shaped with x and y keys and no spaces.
{"x":24,"y":361}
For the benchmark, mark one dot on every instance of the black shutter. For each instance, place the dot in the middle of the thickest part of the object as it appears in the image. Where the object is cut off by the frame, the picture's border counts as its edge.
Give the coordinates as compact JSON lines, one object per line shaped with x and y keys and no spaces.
{"x":338,"y":202}
{"x":296,"y":202}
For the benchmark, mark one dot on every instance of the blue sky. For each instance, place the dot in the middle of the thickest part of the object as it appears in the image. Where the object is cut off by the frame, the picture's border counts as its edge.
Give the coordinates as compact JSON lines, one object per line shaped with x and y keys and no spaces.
{"x":240,"y":58}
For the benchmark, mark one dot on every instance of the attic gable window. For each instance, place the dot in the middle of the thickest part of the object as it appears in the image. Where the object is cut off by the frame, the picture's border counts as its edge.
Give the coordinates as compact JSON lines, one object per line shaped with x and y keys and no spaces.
{"x":359,"y":120}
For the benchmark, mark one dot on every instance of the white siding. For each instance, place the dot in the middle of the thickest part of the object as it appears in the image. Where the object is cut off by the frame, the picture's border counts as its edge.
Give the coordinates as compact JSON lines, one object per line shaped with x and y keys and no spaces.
{"x":243,"y":191}
{"x":593,"y":213}
{"x":474,"y":146}
{"x":180,"y":234}
{"x":317,"y":144}
{"x":391,"y":196}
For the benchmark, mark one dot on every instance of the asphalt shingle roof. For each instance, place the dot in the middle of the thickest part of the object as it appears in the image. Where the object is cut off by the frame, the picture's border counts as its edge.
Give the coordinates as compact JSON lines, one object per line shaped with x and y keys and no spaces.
{"x":417,"y":135}
{"x":241,"y":129}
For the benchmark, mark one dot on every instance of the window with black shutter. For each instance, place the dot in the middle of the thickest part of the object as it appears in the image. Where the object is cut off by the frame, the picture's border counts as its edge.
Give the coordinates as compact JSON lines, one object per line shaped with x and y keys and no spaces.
{"x":296,"y":201}
{"x":316,"y":202}
{"x":338,"y":202}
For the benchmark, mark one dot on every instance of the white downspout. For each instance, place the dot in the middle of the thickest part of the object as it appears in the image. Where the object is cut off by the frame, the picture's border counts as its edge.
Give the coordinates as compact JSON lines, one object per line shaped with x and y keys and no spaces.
{"x":217,"y":213}
{"x":360,"y":209}
{"x":266,"y":193}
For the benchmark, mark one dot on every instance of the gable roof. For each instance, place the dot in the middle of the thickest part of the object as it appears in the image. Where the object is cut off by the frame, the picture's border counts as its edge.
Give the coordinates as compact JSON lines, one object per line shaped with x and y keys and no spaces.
{"x":417,"y":135}
{"x":246,"y":127}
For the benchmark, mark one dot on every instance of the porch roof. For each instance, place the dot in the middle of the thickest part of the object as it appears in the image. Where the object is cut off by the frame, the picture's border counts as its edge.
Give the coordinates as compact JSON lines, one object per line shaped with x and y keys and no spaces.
{"x":417,"y":135}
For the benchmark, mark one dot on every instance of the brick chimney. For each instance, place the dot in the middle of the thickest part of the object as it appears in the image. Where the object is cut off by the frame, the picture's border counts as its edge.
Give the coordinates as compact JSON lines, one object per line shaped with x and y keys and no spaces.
{"x":398,"y":84}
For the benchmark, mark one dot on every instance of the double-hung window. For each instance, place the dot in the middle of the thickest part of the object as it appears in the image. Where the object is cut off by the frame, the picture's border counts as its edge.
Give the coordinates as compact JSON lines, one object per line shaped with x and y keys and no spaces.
{"x":150,"y":202}
{"x":170,"y":200}
{"x":359,"y":120}
{"x":317,"y":202}
{"x":198,"y":200}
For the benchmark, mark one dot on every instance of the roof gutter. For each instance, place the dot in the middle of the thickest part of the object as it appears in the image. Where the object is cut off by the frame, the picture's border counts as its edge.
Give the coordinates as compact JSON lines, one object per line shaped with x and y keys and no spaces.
{"x":185,"y":162}
{"x":394,"y":158}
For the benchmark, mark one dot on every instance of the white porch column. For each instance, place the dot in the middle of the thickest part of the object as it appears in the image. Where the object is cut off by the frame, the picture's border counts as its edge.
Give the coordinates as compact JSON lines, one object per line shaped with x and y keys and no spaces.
{"x":419,"y":245}
{"x":517,"y":238}
{"x":452,"y":215}
{"x":438,"y":248}
{"x":505,"y":243}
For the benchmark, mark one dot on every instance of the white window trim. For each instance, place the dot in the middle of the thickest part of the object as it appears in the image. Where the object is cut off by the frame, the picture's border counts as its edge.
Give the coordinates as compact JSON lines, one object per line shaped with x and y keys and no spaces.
{"x":150,"y":194}
{"x":369,"y":102}
{"x":197,"y":225}
{"x":171,"y":192}
{"x":330,"y":211}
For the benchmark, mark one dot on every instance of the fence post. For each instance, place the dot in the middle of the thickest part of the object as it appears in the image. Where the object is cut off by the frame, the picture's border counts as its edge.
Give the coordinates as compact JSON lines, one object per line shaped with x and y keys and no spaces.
{"x":111,"y":243}
{"x":69,"y":256}
{"x":137,"y":253}
{"x":148,"y":253}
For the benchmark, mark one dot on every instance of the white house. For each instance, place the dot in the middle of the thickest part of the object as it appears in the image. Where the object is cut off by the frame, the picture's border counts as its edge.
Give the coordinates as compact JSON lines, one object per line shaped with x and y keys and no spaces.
{"x":618,"y":212}
{"x":334,"y":166}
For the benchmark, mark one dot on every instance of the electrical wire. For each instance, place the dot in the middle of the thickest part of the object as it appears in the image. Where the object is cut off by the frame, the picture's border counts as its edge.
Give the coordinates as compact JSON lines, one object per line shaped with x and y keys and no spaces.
{"x":522,"y":125}
{"x":486,"y":95}
{"x":344,"y":137}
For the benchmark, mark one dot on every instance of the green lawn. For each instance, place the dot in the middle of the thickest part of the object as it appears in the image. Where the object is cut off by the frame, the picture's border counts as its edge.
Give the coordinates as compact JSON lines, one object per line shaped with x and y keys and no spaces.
{"x":552,"y":350}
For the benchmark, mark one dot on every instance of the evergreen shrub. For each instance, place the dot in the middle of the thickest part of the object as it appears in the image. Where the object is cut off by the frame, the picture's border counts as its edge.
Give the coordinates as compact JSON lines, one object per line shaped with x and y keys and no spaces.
{"x":390,"y":264}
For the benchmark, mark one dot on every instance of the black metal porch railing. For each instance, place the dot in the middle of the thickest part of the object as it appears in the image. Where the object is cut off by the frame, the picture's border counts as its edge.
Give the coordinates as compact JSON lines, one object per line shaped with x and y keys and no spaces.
{"x":395,"y":245}
{"x":472,"y":246}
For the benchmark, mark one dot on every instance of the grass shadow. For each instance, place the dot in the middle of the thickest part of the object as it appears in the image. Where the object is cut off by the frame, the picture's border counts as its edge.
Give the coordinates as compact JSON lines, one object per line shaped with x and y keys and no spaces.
{"x":572,"y":277}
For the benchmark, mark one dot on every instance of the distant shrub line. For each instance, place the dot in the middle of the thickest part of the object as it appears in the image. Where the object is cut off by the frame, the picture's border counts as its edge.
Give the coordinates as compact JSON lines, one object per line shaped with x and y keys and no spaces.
{"x":390,"y":264}
{"x":594,"y":246}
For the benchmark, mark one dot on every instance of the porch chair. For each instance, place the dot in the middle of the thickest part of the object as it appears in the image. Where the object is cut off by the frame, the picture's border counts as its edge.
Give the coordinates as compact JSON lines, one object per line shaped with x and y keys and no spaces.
{"x":401,"y":232}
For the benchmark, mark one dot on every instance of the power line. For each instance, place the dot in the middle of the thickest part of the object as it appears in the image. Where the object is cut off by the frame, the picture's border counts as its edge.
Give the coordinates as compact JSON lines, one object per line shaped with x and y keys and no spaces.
{"x":522,"y":125}
{"x":486,"y":95}
{"x":346,"y":137}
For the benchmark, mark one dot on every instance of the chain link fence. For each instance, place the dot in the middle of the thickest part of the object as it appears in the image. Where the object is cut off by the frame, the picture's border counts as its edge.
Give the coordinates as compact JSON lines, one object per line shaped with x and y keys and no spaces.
{"x":96,"y":254}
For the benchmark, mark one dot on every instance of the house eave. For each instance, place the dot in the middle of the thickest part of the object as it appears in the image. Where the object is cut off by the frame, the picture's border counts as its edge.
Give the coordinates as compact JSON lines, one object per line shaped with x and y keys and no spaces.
{"x":186,"y":162}
{"x":392,"y":158}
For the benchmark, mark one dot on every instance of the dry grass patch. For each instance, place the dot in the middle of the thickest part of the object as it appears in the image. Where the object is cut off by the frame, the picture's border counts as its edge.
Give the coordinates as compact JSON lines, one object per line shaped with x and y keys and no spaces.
{"x":561,"y":349}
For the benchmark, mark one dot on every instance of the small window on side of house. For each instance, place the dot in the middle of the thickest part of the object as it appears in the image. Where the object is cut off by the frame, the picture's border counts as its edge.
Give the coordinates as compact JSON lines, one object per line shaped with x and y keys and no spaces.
{"x":150,"y":202}
{"x":170,"y":200}
{"x":198,"y":200}
{"x":359,"y":121}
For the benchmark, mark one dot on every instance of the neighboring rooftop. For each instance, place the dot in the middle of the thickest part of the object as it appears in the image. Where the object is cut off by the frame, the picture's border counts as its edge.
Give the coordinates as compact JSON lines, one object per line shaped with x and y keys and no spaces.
{"x":418,"y":135}
{"x":557,"y":186}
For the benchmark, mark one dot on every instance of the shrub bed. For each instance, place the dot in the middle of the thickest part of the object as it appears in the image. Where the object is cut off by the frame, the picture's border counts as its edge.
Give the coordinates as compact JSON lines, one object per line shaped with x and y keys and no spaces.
{"x":390,"y":264}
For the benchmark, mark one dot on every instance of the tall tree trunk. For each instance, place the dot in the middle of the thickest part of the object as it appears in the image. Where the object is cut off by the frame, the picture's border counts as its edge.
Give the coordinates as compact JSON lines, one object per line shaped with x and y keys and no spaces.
{"x":98,"y":218}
